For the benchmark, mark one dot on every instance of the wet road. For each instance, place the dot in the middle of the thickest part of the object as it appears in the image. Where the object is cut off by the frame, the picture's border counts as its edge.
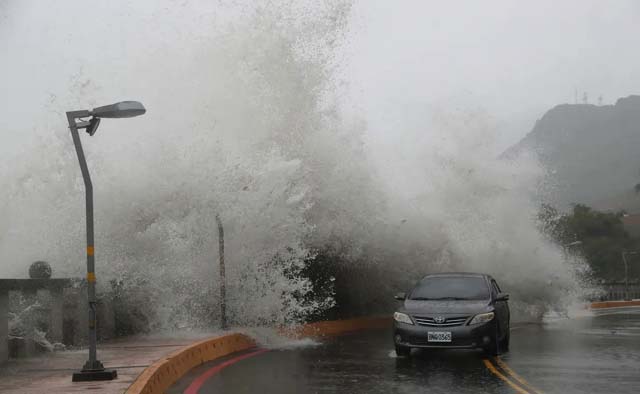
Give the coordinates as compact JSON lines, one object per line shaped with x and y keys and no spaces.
{"x":586,"y":355}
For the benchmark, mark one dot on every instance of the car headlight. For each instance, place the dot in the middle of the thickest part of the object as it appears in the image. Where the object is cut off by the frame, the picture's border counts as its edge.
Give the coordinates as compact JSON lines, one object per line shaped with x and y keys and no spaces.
{"x":482,"y":318}
{"x":402,"y":318}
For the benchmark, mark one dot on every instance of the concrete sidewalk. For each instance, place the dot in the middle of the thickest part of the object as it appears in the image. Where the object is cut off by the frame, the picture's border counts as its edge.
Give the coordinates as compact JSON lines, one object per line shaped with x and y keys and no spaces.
{"x":51,"y":373}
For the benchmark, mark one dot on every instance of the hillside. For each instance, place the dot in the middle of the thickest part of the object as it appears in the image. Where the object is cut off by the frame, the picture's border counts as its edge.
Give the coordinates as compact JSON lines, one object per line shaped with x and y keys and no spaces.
{"x":591,"y":153}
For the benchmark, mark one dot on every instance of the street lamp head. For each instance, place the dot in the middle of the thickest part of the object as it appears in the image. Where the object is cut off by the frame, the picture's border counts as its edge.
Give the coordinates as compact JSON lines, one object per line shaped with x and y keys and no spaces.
{"x":93,"y":126}
{"x":123,"y":109}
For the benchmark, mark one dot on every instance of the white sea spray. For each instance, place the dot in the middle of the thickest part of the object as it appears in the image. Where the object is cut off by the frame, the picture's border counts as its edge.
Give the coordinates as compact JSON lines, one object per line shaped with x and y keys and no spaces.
{"x":244,"y":121}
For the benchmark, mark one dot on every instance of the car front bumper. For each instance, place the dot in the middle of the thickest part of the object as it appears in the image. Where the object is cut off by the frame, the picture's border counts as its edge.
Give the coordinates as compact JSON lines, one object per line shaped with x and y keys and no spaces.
{"x":462,"y":337}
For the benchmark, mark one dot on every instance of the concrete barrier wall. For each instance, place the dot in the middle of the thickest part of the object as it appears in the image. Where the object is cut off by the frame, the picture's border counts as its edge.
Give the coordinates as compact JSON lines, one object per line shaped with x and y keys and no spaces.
{"x":336,"y":327}
{"x":4,"y":326}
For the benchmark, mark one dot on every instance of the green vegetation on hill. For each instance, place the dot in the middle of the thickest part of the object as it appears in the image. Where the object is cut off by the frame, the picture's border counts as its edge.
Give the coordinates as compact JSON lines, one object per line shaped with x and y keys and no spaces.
{"x":598,"y":237}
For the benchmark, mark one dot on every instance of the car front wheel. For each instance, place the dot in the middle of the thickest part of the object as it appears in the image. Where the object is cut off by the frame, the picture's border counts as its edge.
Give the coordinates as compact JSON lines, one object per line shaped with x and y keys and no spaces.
{"x":504,"y":344}
{"x":493,"y":349}
{"x":403,"y":351}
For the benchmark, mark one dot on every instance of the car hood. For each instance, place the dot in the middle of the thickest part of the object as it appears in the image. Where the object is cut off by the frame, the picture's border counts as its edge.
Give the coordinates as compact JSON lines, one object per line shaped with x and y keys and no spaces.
{"x":446,"y":307}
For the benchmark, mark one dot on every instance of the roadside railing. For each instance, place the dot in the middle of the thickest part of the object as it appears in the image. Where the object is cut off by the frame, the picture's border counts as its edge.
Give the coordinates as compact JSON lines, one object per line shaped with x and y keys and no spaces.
{"x":619,"y":290}
{"x":50,"y":305}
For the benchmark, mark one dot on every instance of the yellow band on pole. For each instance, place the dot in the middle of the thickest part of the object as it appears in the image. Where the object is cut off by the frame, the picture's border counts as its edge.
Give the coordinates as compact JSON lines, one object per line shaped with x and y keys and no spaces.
{"x":91,"y":277}
{"x":89,"y":250}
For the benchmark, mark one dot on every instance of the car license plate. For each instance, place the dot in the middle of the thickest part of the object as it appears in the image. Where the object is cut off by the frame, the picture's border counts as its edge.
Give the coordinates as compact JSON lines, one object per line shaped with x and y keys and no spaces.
{"x":439,"y":336}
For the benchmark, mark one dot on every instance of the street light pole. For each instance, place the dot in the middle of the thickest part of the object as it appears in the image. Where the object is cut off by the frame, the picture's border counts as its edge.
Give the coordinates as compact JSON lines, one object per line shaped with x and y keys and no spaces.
{"x":626,"y":272}
{"x":93,"y":368}
{"x":92,"y":364}
{"x":566,"y":248}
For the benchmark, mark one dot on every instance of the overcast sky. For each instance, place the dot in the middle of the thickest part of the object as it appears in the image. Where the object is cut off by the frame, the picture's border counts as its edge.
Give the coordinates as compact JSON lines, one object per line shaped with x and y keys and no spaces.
{"x":510,"y":59}
{"x":513,"y":59}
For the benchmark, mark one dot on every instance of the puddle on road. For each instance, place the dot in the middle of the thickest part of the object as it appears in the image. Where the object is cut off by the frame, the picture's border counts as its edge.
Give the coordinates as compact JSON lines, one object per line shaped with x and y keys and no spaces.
{"x":296,"y":344}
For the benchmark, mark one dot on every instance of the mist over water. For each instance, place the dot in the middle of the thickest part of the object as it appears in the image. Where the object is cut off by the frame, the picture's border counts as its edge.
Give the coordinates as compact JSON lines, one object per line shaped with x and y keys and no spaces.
{"x":249,"y":118}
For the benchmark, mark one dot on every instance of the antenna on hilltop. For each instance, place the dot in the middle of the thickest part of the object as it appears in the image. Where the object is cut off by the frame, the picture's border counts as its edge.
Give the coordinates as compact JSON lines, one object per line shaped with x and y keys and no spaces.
{"x":600,"y":100}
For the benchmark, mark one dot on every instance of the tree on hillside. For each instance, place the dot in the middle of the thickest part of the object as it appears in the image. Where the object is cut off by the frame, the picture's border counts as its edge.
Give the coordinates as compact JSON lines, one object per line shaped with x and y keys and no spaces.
{"x":548,"y":219}
{"x":602,"y":236}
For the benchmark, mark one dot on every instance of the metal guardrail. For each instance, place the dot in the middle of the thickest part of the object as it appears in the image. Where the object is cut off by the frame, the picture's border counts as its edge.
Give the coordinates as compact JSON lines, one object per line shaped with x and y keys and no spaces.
{"x":619,"y":290}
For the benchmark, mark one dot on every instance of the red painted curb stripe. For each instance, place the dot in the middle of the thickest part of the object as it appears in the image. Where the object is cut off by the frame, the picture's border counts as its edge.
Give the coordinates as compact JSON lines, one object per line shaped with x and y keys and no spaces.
{"x":195,"y":386}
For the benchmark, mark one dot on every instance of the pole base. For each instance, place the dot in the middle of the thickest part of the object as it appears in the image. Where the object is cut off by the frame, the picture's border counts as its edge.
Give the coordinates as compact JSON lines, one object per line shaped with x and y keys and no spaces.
{"x":93,"y":375}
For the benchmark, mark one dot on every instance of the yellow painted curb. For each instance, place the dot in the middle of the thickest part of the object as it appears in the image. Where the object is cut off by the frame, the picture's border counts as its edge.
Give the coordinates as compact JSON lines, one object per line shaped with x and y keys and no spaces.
{"x":162,"y":374}
{"x":613,"y":304}
{"x":165,"y":372}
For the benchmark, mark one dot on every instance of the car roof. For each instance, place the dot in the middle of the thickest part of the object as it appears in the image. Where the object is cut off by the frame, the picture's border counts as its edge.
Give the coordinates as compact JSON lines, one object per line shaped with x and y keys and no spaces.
{"x":457,"y":274}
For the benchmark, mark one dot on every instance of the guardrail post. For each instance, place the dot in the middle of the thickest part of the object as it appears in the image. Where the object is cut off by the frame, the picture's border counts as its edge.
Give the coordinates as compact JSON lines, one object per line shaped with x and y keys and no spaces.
{"x":223,"y":279}
{"x":4,"y":326}
{"x":31,"y":295}
{"x":56,"y":315}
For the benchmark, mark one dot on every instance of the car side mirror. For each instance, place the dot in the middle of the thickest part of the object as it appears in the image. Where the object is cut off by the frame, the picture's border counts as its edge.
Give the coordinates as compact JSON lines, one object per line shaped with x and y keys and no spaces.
{"x":400,"y":296}
{"x":502,"y":297}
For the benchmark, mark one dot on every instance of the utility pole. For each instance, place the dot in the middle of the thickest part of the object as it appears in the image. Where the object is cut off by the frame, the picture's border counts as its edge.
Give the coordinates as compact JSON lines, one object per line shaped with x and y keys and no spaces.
{"x":223,"y":289}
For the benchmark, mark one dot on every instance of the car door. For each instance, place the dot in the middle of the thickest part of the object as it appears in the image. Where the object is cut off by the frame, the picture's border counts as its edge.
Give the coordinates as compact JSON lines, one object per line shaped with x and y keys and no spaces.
{"x":501,"y":308}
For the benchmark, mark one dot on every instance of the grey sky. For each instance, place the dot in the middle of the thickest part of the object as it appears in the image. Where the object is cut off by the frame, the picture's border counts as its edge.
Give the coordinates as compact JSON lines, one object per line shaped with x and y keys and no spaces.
{"x":512,"y":59}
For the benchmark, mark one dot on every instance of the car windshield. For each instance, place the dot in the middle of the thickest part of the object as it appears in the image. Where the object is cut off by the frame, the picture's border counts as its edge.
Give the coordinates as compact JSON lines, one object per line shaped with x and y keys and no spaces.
{"x":451,"y":288}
